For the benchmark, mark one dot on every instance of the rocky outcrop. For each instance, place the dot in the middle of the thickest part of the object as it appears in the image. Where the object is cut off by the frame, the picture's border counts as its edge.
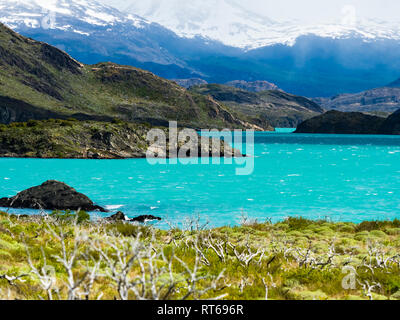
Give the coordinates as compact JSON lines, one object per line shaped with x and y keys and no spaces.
{"x":214,"y":147}
{"x":267,"y":109}
{"x":51,"y":195}
{"x":336,"y":122}
{"x":145,"y":218}
{"x":188,"y":83}
{"x":253,"y":86}
{"x":385,"y":99}
{"x":59,"y":59}
{"x":72,"y":139}
{"x":120,"y":216}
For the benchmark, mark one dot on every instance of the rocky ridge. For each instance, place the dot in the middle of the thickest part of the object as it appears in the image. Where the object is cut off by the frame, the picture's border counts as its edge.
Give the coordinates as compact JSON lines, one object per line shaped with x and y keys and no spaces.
{"x":336,"y":122}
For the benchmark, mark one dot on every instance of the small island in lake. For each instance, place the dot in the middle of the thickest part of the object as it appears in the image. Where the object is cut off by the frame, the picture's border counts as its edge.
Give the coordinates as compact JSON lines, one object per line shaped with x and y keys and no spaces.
{"x":336,"y":122}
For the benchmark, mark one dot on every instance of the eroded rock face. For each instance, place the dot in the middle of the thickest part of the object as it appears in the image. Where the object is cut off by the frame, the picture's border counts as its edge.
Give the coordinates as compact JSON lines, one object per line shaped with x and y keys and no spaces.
{"x":51,"y":195}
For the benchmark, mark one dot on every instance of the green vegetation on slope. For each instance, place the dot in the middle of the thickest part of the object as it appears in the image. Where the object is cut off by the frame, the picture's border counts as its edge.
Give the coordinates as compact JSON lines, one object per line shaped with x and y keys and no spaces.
{"x":50,"y":84}
{"x":57,"y":138}
{"x":294,"y":259}
{"x":278,"y":108}
{"x":73,"y":139}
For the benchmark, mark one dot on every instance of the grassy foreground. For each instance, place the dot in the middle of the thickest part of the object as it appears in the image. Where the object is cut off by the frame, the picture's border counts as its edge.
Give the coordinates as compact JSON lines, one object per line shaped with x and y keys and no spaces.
{"x":68,"y":257}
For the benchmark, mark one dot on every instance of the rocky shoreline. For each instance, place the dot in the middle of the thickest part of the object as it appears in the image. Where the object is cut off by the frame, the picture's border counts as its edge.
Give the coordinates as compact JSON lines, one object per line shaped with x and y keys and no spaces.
{"x":73,"y":139}
{"x":56,"y":195}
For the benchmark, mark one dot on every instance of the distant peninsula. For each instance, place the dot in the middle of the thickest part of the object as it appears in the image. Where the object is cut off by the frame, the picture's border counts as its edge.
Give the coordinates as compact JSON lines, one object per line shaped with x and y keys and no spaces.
{"x":336,"y":122}
{"x":73,"y":139}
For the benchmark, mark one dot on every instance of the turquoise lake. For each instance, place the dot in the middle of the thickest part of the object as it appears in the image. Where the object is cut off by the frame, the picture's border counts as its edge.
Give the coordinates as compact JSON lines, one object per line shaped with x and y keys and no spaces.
{"x":339,"y":177}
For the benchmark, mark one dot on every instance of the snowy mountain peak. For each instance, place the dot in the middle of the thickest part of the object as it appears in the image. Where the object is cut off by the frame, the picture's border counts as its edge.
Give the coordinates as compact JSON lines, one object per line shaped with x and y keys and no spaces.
{"x":229,"y":22}
{"x":54,"y":14}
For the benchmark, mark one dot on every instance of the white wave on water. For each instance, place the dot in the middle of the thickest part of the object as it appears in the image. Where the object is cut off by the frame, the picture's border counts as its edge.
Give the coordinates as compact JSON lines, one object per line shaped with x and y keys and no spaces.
{"x":114,"y":207}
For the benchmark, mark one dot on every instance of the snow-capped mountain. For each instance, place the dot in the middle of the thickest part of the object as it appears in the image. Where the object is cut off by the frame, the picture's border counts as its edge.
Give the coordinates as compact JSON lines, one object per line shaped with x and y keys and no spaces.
{"x":55,"y":14}
{"x":93,"y":32}
{"x":221,"y":20}
{"x":231,"y":23}
{"x":206,"y":40}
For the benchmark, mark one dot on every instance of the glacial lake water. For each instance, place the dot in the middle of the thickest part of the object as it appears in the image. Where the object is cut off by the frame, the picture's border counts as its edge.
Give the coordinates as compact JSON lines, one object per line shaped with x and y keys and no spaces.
{"x":339,"y":177}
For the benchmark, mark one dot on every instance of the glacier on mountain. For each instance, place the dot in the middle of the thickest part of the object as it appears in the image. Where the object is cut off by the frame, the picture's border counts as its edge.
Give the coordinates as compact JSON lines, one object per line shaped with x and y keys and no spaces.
{"x":229,"y":22}
{"x":30,"y":13}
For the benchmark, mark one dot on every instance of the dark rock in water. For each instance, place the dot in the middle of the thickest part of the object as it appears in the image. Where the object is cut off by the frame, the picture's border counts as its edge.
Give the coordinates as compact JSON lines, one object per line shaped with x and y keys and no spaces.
{"x":336,"y":122}
{"x":392,"y":124}
{"x":51,"y":195}
{"x":119,"y":216}
{"x":145,"y":218}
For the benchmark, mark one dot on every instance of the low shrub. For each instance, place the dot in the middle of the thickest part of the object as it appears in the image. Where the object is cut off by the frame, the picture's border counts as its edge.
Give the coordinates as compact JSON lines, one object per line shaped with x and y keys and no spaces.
{"x":80,"y":216}
{"x":377,"y":225}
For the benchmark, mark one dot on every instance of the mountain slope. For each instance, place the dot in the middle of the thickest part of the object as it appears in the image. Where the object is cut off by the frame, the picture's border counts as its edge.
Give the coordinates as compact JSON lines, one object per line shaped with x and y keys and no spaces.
{"x":93,"y":32}
{"x":38,"y":81}
{"x":394,"y":84}
{"x":385,"y":99}
{"x":345,"y":61}
{"x":276,"y":107}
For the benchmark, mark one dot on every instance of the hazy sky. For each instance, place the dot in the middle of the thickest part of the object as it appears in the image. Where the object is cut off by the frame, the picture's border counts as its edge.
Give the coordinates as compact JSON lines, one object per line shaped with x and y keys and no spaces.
{"x":310,"y":10}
